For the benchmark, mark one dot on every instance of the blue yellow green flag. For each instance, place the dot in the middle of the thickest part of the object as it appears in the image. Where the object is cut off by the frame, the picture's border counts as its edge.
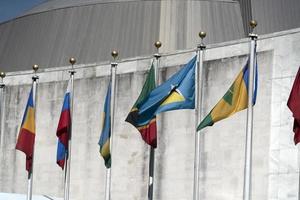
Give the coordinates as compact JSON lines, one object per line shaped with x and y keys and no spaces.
{"x":104,"y":141}
{"x":234,"y":100}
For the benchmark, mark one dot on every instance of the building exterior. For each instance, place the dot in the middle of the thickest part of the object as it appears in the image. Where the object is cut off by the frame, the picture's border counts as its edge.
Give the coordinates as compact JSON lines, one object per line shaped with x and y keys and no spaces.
{"x":51,"y":33}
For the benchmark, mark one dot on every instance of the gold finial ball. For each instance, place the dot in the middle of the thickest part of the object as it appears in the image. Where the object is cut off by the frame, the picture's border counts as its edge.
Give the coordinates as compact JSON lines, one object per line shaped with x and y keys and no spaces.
{"x":72,"y":60}
{"x":157,"y":44}
{"x":2,"y":74}
{"x":253,"y":23}
{"x":114,"y":54}
{"x":202,"y":34}
{"x":35,"y":67}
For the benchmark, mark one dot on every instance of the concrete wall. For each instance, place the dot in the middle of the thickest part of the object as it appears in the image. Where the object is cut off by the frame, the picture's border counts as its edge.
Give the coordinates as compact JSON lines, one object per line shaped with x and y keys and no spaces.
{"x":275,"y":158}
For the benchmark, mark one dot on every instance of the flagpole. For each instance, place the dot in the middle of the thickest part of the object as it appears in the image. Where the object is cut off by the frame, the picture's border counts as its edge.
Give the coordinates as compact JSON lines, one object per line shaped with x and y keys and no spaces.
{"x":198,"y":100}
{"x":34,"y":91}
{"x":114,"y":65}
{"x":67,"y":166}
{"x":299,"y":176}
{"x":157,"y":56}
{"x":2,"y":104}
{"x":249,"y":129}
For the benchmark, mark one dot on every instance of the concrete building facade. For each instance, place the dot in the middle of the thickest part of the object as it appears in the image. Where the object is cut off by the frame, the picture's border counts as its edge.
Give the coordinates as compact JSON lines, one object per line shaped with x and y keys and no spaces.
{"x":275,"y":158}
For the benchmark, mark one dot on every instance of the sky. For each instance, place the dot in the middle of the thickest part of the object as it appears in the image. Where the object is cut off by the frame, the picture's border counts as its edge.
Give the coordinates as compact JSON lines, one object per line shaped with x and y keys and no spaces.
{"x":10,"y":9}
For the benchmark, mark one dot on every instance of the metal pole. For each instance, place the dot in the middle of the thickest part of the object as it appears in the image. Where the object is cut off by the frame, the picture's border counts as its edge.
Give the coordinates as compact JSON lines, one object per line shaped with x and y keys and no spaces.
{"x":34,"y":95}
{"x":198,"y":100}
{"x":112,"y":115}
{"x":2,"y":104}
{"x":151,"y":173}
{"x":299,"y":177}
{"x":152,"y":150}
{"x":107,"y":188}
{"x":68,"y":156}
{"x":249,"y":130}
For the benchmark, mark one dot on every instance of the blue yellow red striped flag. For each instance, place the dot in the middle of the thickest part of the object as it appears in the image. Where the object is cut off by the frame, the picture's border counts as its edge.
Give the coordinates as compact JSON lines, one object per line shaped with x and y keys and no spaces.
{"x":26,"y":138}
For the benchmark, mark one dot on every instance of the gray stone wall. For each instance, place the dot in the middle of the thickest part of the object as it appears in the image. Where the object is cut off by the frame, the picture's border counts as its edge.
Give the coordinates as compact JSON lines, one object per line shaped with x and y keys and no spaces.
{"x":275,"y":158}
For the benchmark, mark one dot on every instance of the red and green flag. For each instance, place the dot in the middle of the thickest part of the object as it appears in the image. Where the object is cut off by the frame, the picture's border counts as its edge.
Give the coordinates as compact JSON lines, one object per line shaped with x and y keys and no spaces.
{"x":146,"y":126}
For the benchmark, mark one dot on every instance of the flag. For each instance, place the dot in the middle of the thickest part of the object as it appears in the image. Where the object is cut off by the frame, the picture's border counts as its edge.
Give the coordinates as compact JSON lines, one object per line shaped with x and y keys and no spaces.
{"x":178,"y":92}
{"x":147,"y":129}
{"x":294,"y":105}
{"x":104,"y":141}
{"x":64,"y":128}
{"x":26,"y":138}
{"x":234,"y":100}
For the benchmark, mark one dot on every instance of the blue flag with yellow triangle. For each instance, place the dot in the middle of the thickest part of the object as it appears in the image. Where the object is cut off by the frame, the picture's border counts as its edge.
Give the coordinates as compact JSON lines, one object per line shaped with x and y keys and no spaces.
{"x":178,"y":92}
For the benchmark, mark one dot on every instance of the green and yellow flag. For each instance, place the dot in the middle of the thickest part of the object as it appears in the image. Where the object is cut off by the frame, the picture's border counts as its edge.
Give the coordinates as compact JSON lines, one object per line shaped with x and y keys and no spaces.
{"x":234,"y":100}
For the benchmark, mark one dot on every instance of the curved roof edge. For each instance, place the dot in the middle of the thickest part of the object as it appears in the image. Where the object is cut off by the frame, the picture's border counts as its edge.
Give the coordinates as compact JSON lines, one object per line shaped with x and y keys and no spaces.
{"x":90,"y":32}
{"x":52,"y":5}
{"x":63,"y":4}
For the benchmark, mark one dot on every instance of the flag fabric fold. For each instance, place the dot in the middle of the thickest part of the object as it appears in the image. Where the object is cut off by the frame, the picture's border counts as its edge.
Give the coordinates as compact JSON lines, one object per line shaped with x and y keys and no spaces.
{"x":64,"y":128}
{"x":294,"y":105}
{"x":26,"y":138}
{"x":178,"y":92}
{"x":104,"y":141}
{"x":148,"y":128}
{"x":234,"y":100}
